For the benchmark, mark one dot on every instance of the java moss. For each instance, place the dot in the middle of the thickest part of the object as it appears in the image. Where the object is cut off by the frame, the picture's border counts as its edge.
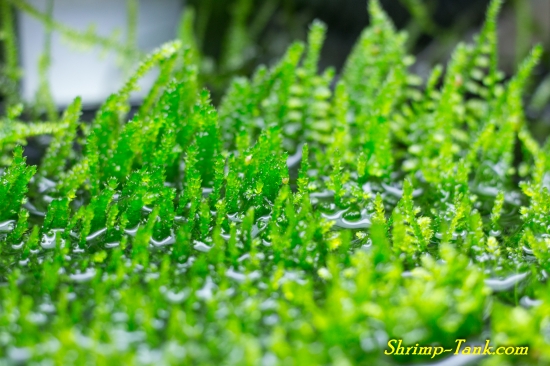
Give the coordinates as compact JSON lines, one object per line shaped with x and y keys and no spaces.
{"x":307,"y":220}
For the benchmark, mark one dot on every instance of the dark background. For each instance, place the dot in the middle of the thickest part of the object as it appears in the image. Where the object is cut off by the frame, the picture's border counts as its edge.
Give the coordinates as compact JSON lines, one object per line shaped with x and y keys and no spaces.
{"x":522,"y":24}
{"x":455,"y":20}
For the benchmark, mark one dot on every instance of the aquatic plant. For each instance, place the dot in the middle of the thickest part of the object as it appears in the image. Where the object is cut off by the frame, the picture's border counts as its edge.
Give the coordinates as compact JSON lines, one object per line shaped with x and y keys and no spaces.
{"x":306,"y":220}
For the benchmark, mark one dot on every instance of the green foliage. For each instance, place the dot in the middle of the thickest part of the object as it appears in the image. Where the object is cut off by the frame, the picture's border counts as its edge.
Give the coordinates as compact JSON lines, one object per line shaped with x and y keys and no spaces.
{"x":299,"y":222}
{"x":60,"y":149}
{"x":14,"y":184}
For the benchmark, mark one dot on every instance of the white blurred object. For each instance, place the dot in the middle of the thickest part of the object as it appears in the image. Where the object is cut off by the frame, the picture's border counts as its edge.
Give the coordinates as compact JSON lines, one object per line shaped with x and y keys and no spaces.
{"x":92,"y":74}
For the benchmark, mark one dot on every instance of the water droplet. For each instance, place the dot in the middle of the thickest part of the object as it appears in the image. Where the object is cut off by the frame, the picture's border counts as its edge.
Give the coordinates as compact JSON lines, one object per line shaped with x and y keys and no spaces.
{"x":334,"y":216}
{"x":33,"y":210}
{"x":176,"y":297}
{"x":47,"y":308}
{"x":322,"y":194}
{"x":201,"y":247}
{"x":45,"y":184}
{"x":271,"y":320}
{"x":37,"y":318}
{"x":7,"y":226}
{"x":119,"y":317}
{"x":243,"y":257}
{"x":293,"y":160}
{"x":269,"y":304}
{"x":506,"y":284}
{"x":234,"y":218}
{"x":241,"y":277}
{"x":396,"y":192}
{"x":237,"y":276}
{"x":47,"y":198}
{"x":133,"y":231}
{"x":364,"y":223}
{"x":49,"y":239}
{"x":84,"y":276}
{"x":96,"y":234}
{"x":171,"y":239}
{"x":19,"y":355}
{"x":296,"y":276}
{"x":207,"y":291}
{"x":527,"y":302}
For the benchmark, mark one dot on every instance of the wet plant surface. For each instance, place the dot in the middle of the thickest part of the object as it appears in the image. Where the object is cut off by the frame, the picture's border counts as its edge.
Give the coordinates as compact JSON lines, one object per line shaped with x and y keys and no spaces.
{"x":298,"y":223}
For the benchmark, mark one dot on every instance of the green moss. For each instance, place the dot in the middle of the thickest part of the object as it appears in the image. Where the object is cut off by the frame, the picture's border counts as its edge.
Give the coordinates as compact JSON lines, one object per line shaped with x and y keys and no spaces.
{"x":298,"y":222}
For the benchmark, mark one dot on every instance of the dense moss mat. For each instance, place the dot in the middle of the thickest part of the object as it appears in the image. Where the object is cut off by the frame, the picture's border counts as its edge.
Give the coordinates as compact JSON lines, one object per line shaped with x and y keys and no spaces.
{"x":307,"y":220}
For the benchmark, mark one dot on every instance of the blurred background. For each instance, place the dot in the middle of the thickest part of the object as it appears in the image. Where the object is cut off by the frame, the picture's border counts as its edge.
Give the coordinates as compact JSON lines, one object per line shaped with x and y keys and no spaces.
{"x":94,"y":72}
{"x":53,"y":50}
